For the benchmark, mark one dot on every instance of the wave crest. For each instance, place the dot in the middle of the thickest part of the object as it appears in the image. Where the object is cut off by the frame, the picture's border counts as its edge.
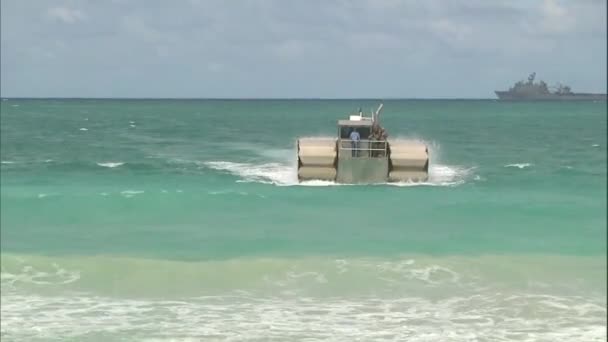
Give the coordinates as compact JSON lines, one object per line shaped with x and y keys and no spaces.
{"x":111,"y":164}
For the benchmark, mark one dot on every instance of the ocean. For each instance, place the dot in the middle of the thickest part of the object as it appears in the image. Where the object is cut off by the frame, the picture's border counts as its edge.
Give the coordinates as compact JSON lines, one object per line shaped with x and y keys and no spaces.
{"x":182,"y":220}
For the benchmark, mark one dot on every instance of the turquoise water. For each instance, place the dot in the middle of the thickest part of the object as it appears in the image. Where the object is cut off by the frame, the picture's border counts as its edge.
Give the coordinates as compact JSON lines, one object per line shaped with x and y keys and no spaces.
{"x":183,"y":219}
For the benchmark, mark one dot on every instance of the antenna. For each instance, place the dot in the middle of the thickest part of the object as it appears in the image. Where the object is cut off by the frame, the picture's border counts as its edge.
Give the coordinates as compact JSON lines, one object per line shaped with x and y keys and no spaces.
{"x":377,"y":114}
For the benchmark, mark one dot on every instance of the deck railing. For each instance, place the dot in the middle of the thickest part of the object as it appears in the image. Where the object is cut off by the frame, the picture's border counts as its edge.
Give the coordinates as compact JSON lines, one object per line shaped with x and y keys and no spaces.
{"x":363,"y":148}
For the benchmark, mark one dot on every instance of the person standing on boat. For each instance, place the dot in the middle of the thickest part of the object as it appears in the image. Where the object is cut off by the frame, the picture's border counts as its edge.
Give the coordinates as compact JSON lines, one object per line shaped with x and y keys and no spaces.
{"x":354,"y":142}
{"x":372,"y":140}
{"x":382,"y":136}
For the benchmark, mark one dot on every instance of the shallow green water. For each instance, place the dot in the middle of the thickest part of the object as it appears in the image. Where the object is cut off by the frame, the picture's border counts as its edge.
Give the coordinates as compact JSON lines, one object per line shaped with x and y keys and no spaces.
{"x":119,"y":217}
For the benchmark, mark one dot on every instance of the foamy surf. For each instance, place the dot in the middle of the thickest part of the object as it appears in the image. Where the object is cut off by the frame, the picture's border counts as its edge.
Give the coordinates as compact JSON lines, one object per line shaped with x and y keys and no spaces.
{"x":131,"y":193}
{"x":519,"y":166}
{"x":411,"y":298}
{"x":269,"y":173}
{"x":111,"y":164}
{"x":442,"y":175}
{"x":285,"y":175}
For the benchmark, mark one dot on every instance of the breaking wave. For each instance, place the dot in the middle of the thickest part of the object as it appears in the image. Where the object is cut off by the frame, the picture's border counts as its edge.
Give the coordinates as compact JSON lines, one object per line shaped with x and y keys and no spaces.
{"x":111,"y":164}
{"x":410,"y":298}
{"x":519,"y":166}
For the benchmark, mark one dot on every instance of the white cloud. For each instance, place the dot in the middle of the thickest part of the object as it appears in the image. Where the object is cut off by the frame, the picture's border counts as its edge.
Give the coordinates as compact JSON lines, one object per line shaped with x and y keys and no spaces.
{"x":66,"y":15}
{"x":451,"y":30}
{"x":374,"y":40}
{"x":555,"y":18}
{"x":136,"y":26}
{"x":326,"y":43}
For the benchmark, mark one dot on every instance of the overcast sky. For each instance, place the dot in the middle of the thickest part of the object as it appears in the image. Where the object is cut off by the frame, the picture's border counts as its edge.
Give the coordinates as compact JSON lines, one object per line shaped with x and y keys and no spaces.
{"x":313,"y":48}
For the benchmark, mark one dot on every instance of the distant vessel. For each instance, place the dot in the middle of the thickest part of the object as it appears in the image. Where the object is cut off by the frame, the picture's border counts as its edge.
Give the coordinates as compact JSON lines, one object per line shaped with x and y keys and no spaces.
{"x":530,"y":91}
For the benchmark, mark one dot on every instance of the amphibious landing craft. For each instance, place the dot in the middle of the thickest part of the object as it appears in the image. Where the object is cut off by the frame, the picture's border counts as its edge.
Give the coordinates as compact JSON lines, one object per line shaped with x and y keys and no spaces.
{"x":362,"y":153}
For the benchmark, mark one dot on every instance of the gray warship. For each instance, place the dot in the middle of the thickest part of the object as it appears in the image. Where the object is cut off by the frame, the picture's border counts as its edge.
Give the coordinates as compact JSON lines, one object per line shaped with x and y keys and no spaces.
{"x":539,"y":91}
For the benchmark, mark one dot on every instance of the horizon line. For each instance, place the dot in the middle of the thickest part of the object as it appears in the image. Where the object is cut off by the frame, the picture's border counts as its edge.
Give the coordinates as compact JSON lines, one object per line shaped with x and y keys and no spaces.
{"x":241,"y":98}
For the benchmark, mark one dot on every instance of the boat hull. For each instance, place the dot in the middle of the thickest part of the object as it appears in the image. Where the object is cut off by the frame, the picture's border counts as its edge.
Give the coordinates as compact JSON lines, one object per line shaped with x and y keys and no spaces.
{"x":510,"y":96}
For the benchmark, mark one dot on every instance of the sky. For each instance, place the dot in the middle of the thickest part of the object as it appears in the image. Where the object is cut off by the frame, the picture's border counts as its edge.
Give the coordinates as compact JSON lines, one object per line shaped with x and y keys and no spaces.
{"x":297,"y":49}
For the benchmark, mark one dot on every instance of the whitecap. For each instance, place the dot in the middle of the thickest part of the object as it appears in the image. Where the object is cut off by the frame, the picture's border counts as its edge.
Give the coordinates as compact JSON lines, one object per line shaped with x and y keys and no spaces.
{"x":111,"y":164}
{"x":269,"y":173}
{"x":42,"y":195}
{"x":285,"y":175}
{"x":596,"y":145}
{"x":7,"y":162}
{"x":131,"y":193}
{"x":226,"y":192}
{"x":520,"y":165}
{"x":83,"y":129}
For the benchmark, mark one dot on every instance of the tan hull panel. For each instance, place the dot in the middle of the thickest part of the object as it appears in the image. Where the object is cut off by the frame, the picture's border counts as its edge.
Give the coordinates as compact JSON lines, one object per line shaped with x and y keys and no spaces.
{"x":316,"y":173}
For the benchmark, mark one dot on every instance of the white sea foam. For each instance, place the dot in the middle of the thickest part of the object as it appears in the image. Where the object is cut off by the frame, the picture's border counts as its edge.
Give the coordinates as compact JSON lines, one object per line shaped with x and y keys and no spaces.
{"x":282,"y":170}
{"x":286,"y":175}
{"x":29,"y":274}
{"x":443,"y":175}
{"x":406,"y":299}
{"x":457,"y":318}
{"x":131,"y":193}
{"x":111,"y":164}
{"x":7,"y":162}
{"x":83,"y":129}
{"x":227,"y":192}
{"x":596,"y":145}
{"x":519,"y":165}
{"x":269,"y":173}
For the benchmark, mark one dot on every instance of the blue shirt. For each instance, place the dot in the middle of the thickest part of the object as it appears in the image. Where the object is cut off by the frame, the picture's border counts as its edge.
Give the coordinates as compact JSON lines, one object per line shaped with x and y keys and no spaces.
{"x":354,"y":136}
